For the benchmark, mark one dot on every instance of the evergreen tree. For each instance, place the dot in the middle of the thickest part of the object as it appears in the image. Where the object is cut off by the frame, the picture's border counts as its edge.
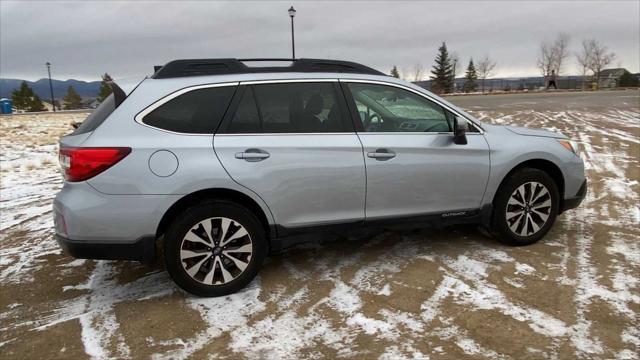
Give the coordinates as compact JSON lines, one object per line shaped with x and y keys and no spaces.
{"x":26,"y":100}
{"x":395,"y":73}
{"x":470,"y":78}
{"x":72,"y":100}
{"x":105,"y":88}
{"x":442,"y":73}
{"x":21,"y":98}
{"x":35,"y":104}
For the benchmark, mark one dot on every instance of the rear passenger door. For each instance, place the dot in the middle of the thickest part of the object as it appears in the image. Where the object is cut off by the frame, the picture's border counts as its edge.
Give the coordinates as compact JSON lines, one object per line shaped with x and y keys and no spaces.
{"x":293,"y":144}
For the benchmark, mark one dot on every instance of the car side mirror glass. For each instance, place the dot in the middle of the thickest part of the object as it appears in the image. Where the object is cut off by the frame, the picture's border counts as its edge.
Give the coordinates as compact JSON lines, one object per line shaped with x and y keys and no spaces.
{"x":459,"y":131}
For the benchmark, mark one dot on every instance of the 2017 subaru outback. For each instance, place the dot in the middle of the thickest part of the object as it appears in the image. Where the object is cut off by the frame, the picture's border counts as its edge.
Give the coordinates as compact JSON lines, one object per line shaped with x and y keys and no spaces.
{"x":220,"y":161}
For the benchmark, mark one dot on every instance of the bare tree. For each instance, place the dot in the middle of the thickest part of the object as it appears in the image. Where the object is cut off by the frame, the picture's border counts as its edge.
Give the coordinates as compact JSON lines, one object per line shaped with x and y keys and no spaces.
{"x":485,"y":67}
{"x":552,"y":55}
{"x":562,"y":50}
{"x":404,"y":74}
{"x":600,"y":57}
{"x":594,"y":57}
{"x":546,"y":58}
{"x":418,"y":70}
{"x":583,"y":58}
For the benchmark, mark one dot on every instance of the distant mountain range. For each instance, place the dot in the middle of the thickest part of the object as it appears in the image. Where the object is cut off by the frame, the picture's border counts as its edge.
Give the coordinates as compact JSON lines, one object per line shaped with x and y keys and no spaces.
{"x":86,"y":89}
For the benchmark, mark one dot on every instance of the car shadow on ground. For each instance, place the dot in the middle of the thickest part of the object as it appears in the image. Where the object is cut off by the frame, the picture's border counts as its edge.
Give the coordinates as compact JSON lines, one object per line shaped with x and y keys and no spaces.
{"x":382,"y":239}
{"x":358,"y":247}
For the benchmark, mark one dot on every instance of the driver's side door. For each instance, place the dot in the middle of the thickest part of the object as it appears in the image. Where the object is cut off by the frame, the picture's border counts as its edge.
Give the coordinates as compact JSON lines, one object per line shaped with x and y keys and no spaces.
{"x":412,"y":165}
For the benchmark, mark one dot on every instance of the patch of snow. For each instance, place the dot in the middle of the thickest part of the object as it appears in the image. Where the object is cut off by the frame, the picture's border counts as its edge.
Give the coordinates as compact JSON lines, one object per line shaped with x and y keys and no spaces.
{"x":524,"y":269}
{"x":385,"y":291}
{"x":221,"y":314}
{"x":513,"y":282}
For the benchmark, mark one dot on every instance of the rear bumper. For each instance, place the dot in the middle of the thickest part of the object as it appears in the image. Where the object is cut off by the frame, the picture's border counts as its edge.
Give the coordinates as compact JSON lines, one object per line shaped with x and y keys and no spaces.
{"x":142,"y":249}
{"x":575,"y":201}
{"x":83,"y":213}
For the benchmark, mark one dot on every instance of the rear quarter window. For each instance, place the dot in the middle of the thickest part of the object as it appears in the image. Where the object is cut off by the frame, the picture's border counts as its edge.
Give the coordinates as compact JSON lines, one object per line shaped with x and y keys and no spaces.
{"x":98,"y":116}
{"x":195,"y":112}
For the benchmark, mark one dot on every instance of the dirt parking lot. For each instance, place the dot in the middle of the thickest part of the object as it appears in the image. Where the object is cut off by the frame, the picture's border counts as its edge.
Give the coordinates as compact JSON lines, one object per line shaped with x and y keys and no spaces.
{"x":395,"y":294}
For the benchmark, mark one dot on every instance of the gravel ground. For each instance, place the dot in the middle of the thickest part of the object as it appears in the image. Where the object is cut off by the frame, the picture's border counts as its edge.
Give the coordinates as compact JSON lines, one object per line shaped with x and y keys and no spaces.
{"x":392,"y":294}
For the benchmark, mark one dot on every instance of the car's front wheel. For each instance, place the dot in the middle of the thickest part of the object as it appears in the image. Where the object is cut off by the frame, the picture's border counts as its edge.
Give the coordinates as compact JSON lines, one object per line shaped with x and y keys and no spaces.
{"x":214,"y":248}
{"x":525,"y":207}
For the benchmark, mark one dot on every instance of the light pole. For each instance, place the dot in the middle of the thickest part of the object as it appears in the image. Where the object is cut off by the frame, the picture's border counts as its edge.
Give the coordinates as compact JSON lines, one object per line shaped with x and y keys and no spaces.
{"x":53,"y":104}
{"x":292,"y":14}
{"x":455,"y":62}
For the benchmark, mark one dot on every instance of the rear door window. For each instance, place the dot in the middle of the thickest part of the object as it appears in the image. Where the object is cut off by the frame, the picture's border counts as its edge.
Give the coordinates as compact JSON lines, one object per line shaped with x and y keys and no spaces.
{"x":246,"y":119}
{"x":195,"y":112}
{"x":291,"y":108}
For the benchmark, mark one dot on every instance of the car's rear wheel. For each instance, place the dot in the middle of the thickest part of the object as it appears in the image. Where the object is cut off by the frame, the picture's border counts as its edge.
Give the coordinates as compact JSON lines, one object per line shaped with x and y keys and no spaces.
{"x":214,"y":248}
{"x":525,"y":207}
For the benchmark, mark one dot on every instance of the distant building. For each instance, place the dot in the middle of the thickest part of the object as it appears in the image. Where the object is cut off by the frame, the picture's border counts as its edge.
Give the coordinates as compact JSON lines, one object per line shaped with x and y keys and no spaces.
{"x":609,"y":77}
{"x":91,"y":103}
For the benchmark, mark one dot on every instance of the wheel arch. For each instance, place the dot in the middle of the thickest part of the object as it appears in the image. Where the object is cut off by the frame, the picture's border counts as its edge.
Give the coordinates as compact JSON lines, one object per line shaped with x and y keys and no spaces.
{"x":215,"y":194}
{"x":541,"y":164}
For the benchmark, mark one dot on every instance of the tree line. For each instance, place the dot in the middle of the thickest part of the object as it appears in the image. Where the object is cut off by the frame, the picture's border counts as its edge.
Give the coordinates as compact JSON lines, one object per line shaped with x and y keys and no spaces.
{"x":592,"y":58}
{"x":25,"y":99}
{"x":444,"y":70}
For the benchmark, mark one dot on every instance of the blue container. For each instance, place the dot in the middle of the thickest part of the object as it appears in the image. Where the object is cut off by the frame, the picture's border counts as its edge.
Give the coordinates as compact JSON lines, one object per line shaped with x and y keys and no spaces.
{"x":5,"y":106}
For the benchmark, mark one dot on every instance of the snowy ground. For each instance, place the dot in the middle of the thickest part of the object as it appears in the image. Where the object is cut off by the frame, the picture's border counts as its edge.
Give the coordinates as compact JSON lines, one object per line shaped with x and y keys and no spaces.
{"x":392,"y":295}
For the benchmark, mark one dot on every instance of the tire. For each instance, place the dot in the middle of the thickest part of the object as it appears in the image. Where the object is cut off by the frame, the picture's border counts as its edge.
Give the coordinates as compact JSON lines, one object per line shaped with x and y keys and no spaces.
{"x":220,"y":264}
{"x":525,"y":224}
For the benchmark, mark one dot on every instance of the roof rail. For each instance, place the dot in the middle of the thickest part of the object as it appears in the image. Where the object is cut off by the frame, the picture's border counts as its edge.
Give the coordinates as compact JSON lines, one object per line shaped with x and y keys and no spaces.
{"x":198,"y":67}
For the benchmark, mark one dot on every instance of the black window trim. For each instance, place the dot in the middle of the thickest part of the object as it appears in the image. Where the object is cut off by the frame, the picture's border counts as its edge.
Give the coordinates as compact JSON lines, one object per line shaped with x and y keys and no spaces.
{"x":341,"y":83}
{"x":139,"y":117}
{"x":249,"y":85}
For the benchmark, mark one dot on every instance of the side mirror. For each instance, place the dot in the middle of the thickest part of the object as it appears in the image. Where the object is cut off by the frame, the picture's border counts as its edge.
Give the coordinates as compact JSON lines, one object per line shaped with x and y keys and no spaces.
{"x":459,"y":131}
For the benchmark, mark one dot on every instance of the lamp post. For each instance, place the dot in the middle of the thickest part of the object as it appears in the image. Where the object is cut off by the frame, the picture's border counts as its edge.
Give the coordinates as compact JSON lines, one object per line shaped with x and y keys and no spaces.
{"x":455,"y":62}
{"x":292,"y":14}
{"x":53,"y":104}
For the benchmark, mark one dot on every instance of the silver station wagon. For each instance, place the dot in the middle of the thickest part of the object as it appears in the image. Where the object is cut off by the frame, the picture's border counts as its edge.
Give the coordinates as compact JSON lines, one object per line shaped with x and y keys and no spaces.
{"x":215,"y":163}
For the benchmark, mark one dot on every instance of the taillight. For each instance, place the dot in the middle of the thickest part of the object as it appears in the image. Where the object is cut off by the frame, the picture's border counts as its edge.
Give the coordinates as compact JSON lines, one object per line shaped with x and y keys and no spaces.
{"x":79,"y":164}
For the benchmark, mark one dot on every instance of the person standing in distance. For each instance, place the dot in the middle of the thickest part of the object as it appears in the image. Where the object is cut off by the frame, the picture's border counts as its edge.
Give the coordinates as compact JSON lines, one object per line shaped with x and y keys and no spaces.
{"x":552,"y":80}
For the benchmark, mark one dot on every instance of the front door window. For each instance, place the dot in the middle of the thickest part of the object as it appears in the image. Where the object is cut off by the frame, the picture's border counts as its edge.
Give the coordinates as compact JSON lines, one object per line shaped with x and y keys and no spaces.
{"x":390,"y":109}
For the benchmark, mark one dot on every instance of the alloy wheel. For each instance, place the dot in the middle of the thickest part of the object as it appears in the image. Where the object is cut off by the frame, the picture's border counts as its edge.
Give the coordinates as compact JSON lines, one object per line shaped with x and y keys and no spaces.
{"x":216,"y":251}
{"x":528,"y":208}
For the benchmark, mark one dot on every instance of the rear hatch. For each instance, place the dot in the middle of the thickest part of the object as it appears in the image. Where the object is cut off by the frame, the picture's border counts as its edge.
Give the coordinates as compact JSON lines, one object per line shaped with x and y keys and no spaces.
{"x":78,"y":163}
{"x":95,"y":119}
{"x":101,"y":113}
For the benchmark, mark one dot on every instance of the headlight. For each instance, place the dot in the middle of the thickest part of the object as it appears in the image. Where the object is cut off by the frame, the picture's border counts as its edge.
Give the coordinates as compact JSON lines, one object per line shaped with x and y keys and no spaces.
{"x":570,"y":145}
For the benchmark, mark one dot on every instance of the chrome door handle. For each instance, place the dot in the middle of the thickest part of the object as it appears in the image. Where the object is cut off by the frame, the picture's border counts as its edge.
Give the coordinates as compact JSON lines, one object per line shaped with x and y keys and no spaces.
{"x":382,"y":154}
{"x":252,"y":155}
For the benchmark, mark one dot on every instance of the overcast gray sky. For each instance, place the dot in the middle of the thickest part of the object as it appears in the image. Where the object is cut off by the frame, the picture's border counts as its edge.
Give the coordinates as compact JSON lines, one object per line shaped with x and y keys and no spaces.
{"x":84,"y":39}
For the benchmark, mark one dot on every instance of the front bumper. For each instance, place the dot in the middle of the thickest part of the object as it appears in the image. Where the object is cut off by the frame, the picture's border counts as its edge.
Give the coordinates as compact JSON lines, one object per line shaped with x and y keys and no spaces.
{"x":142,"y":249}
{"x":575,"y":201}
